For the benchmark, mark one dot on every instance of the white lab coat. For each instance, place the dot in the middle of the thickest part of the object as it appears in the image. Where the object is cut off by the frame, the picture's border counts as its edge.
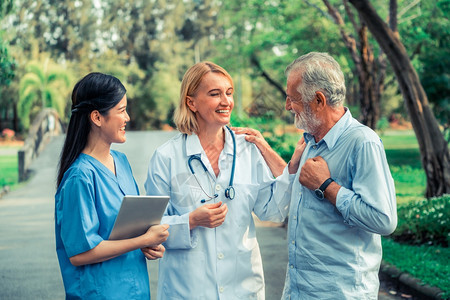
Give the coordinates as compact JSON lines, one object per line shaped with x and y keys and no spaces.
{"x":222,"y":262}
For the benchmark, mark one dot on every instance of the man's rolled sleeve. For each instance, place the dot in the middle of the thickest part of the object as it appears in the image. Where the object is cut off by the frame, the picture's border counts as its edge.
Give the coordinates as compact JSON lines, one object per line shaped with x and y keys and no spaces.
{"x":343,"y":203}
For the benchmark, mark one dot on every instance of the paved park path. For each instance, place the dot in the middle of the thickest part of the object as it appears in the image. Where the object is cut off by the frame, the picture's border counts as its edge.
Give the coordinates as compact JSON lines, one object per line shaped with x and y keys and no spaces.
{"x":28,"y":264}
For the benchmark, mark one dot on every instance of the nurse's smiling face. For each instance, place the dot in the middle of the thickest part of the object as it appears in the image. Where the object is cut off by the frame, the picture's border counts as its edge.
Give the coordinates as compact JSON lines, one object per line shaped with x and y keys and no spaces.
{"x":213,"y":101}
{"x":113,"y":125}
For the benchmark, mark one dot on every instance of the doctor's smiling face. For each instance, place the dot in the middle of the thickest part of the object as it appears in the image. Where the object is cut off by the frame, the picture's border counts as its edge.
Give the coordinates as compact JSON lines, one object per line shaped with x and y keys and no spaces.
{"x":213,"y":100}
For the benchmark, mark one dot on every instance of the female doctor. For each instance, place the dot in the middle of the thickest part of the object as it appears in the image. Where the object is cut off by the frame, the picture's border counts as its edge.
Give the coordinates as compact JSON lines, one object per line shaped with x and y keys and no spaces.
{"x":92,"y":181}
{"x":215,"y":181}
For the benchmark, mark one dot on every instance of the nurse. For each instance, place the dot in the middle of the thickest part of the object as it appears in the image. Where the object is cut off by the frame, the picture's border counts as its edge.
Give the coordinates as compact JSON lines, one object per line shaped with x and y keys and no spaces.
{"x":215,"y":180}
{"x":92,"y":181}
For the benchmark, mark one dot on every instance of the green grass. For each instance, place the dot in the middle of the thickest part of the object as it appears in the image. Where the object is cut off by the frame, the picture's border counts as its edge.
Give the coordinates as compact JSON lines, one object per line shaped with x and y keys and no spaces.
{"x":9,"y":174}
{"x":9,"y":170}
{"x":428,"y":263}
{"x":403,"y":155}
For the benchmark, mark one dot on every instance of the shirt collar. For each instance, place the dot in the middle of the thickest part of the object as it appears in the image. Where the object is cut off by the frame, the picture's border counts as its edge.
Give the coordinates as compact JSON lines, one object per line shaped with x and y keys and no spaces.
{"x":228,"y":147}
{"x":193,"y":146}
{"x":335,"y":132}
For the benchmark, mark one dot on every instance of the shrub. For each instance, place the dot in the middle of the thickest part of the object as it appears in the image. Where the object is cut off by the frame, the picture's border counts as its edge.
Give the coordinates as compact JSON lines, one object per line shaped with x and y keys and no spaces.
{"x":424,"y":222}
{"x":382,"y":125}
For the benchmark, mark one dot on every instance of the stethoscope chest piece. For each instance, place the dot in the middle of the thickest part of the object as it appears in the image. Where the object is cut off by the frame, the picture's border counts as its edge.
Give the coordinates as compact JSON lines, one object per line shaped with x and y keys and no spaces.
{"x":229,"y":193}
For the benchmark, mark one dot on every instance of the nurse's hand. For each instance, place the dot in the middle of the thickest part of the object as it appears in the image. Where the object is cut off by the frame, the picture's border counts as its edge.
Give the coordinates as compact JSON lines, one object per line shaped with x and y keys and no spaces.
{"x":208,"y":215}
{"x":154,"y":252}
{"x":155,"y":235}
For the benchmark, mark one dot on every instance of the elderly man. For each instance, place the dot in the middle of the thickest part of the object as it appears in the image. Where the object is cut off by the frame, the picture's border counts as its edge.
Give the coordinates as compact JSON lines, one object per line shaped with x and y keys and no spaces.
{"x":344,"y":198}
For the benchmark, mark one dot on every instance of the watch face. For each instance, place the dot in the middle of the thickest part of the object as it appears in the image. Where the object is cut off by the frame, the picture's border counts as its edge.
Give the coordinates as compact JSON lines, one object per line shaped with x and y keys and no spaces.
{"x":318,"y":193}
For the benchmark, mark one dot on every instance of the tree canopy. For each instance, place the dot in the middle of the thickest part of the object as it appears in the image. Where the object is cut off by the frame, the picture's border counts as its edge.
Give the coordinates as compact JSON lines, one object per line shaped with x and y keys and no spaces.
{"x":149,"y":44}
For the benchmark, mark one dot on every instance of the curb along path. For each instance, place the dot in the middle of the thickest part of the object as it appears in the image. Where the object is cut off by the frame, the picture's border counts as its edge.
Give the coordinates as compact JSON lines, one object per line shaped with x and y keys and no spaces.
{"x":410,"y":285}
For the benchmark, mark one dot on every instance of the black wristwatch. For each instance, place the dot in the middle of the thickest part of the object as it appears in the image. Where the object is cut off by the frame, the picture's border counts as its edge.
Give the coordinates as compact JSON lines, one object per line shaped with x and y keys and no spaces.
{"x":319,"y":192}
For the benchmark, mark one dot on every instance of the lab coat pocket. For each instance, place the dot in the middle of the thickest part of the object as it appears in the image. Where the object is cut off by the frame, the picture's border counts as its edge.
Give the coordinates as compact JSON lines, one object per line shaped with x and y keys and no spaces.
{"x":249,"y":277}
{"x":185,"y":192}
{"x":183,"y":276}
{"x":186,"y":202}
{"x":241,"y":207}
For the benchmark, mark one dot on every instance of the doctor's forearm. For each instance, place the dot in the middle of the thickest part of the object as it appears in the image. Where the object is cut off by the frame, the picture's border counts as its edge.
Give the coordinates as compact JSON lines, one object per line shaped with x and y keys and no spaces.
{"x":274,"y":161}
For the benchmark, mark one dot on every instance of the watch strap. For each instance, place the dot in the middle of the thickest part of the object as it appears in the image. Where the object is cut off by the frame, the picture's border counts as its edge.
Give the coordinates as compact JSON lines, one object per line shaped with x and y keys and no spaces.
{"x":325,"y":184}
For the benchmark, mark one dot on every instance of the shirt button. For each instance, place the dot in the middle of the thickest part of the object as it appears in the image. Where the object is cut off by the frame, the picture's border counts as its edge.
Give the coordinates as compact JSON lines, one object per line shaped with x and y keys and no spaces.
{"x":293,"y":242}
{"x":294,"y":217}
{"x":291,"y":266}
{"x":220,"y":256}
{"x":314,"y":147}
{"x":221,"y":289}
{"x":218,"y":187}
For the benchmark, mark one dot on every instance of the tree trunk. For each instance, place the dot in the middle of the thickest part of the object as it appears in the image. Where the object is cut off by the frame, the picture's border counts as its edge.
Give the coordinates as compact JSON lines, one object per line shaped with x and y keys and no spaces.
{"x":433,"y":147}
{"x":361,"y":52}
{"x":369,"y":102}
{"x":15,"y":119}
{"x":266,"y":76}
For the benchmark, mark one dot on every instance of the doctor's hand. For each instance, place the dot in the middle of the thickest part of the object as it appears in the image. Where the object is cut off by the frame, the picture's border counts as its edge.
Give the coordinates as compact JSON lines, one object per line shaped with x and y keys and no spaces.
{"x":253,"y":136}
{"x":156,"y":235}
{"x":208,"y":215}
{"x":154,"y":252}
{"x":275,"y":162}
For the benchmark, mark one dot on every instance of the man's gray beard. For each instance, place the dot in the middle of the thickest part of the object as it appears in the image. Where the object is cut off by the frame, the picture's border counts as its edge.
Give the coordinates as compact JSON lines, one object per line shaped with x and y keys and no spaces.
{"x":306,"y":120}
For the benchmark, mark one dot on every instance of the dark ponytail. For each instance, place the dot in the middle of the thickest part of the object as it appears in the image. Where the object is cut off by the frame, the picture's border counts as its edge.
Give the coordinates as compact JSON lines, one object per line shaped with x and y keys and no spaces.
{"x":95,"y":91}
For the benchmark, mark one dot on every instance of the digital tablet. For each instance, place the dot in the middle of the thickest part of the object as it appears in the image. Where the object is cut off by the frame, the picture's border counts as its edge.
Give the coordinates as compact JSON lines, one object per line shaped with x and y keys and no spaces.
{"x":137,"y":214}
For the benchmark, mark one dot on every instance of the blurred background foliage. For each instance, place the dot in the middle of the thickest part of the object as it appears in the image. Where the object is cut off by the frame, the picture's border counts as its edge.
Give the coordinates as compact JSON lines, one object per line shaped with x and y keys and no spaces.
{"x":47,"y":45}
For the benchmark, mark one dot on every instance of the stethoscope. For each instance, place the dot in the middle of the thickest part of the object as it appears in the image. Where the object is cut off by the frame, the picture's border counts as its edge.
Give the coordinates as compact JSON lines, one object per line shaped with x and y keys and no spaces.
{"x":229,"y":191}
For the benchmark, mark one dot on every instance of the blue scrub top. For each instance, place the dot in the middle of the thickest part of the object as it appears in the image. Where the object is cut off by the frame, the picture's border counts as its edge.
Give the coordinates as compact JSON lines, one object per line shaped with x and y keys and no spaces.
{"x":87,"y":202}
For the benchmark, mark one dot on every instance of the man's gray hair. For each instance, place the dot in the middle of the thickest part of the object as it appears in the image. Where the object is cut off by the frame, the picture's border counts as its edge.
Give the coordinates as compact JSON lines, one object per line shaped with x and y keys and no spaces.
{"x":320,"y":72}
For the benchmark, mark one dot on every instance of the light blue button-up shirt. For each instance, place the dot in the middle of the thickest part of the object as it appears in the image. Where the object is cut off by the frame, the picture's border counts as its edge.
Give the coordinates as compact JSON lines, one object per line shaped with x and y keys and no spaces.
{"x":335,"y":252}
{"x":222,"y":262}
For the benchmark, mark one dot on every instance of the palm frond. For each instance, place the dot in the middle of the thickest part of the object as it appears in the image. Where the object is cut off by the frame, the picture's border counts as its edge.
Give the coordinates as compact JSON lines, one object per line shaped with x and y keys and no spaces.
{"x":59,"y":76}
{"x":36,"y":69}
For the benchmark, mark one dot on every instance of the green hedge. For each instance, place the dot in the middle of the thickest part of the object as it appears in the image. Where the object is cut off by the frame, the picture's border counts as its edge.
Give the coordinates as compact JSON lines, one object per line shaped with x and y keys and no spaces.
{"x":424,"y":222}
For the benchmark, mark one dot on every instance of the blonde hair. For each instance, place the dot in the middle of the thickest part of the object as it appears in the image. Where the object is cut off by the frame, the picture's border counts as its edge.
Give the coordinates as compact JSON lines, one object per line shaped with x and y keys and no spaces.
{"x":184,"y":118}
